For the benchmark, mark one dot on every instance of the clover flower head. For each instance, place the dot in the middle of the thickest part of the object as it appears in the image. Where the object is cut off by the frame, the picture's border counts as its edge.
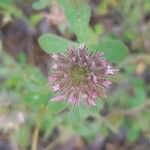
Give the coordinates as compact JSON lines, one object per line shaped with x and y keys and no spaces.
{"x":79,"y":75}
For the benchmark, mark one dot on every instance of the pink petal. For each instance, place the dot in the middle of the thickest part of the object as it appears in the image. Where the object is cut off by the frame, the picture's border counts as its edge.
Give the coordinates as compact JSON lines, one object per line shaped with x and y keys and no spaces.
{"x":58,"y":98}
{"x":51,"y":78}
{"x":91,"y":102}
{"x":110,"y":71}
{"x":56,"y":87}
{"x":81,"y":46}
{"x":94,"y":78}
{"x":74,"y":59}
{"x":93,"y":64}
{"x":54,"y":66}
{"x":104,"y":62}
{"x":72,"y":99}
{"x":54,"y":56}
{"x":106,"y":83}
{"x":84,"y":96}
{"x":99,"y":54}
{"x":94,"y":95}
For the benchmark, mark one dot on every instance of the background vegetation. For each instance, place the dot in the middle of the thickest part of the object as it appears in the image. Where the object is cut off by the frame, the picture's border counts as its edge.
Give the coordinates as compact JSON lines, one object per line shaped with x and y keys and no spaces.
{"x":30,"y":30}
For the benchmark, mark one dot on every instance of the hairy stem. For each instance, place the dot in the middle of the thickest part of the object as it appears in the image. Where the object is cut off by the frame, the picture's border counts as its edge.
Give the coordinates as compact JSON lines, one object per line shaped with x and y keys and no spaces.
{"x":35,"y":136}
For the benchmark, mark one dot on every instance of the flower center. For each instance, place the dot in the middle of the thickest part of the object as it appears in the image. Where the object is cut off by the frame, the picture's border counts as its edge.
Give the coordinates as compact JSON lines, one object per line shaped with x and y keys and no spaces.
{"x":78,"y":75}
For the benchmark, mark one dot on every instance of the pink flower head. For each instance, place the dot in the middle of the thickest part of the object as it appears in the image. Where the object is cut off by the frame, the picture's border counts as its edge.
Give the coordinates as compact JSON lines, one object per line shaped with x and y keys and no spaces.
{"x":79,"y":76}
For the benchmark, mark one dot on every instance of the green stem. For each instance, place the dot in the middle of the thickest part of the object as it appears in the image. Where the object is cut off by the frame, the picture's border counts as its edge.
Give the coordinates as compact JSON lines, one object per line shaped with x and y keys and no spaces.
{"x":37,"y":128}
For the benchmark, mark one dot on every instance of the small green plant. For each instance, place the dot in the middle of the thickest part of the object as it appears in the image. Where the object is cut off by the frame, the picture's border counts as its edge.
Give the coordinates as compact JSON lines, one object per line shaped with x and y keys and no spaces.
{"x":73,"y":96}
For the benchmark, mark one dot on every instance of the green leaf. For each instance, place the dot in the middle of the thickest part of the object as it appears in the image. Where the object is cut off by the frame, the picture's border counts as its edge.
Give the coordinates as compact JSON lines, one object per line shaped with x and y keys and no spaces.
{"x":78,"y":113}
{"x":53,"y":44}
{"x":6,"y":1}
{"x":98,"y":107}
{"x":114,"y":50}
{"x":140,"y":97}
{"x":22,"y":137}
{"x":9,"y":9}
{"x":133,"y":133}
{"x":48,"y":123}
{"x":139,"y":92}
{"x":83,"y":111}
{"x":35,"y":19}
{"x":84,"y":131}
{"x":56,"y":107}
{"x":147,"y":5}
{"x":74,"y":115}
{"x":78,"y":14}
{"x":40,"y":4}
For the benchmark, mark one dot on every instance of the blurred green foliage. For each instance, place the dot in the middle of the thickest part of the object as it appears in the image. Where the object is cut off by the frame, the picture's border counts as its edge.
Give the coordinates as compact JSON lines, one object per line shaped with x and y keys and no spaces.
{"x":27,"y":89}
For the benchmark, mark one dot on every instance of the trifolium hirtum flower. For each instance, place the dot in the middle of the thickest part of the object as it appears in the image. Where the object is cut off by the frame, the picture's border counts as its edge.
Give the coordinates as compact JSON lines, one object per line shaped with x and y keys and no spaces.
{"x":79,"y":75}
